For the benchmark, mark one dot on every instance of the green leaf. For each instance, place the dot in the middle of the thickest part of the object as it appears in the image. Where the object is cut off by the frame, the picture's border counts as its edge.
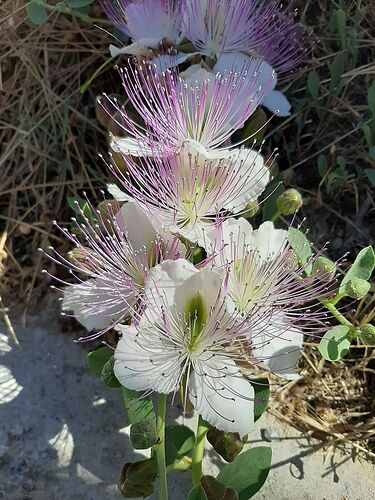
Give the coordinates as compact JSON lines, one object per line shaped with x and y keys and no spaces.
{"x":337,"y":69}
{"x":197,"y":493}
{"x":78,"y":4}
{"x":97,"y":359}
{"x":372,"y":153}
{"x":248,"y":472}
{"x":313,"y":84}
{"x":322,"y":165}
{"x":138,"y":479}
{"x":36,"y":13}
{"x":335,"y":344}
{"x":341,"y":24}
{"x":227,"y":444}
{"x":362,"y":267}
{"x":262,"y":394}
{"x":368,"y":134}
{"x":108,"y":376}
{"x":143,"y":434}
{"x":301,"y":247}
{"x":138,"y":407}
{"x":370,"y":173}
{"x":179,"y":440}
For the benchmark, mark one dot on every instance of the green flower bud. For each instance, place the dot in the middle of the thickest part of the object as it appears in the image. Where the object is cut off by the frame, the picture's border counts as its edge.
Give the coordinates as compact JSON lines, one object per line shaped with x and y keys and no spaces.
{"x":367,"y":334}
{"x":251,"y":209}
{"x":324,"y":269}
{"x":289,"y":202}
{"x":357,"y":288}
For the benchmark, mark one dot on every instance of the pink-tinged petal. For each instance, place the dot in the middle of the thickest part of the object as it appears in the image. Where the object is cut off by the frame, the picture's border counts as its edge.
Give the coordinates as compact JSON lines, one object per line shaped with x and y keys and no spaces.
{"x":144,"y":361}
{"x":222,"y":396}
{"x":130,"y":146}
{"x":167,"y":61}
{"x":117,"y":194}
{"x":95,"y":305}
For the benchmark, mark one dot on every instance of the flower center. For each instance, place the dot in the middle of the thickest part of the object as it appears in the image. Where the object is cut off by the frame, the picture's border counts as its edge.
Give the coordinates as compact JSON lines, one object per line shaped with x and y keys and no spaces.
{"x":195,"y":319}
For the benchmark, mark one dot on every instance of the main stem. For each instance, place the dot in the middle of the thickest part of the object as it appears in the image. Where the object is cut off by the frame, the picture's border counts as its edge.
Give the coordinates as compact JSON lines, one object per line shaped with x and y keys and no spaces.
{"x":160,"y":448}
{"x":198,"y":452}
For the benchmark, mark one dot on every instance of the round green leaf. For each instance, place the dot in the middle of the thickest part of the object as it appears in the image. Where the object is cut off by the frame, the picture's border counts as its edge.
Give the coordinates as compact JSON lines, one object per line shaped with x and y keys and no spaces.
{"x":108,"y":376}
{"x":248,"y":472}
{"x":138,"y":407}
{"x":97,"y":359}
{"x":37,"y":13}
{"x":335,"y":344}
{"x":179,"y":440}
{"x":261,"y":388}
{"x":362,"y":267}
{"x":143,"y":434}
{"x":301,"y":247}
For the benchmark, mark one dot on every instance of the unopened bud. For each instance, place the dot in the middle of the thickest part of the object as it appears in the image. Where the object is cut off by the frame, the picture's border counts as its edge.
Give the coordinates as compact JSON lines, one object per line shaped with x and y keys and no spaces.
{"x":357,"y":288}
{"x":251,"y":209}
{"x":82,"y":258}
{"x":367,"y":334}
{"x":324,"y":268}
{"x":289,"y":202}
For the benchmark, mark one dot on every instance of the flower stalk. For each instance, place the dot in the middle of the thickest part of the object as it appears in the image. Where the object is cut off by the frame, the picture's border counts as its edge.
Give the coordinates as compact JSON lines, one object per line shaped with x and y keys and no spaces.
{"x":198,"y":452}
{"x":160,"y":448}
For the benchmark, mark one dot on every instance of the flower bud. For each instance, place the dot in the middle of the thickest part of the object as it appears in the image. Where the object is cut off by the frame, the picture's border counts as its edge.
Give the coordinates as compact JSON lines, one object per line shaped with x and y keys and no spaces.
{"x":251,"y":209}
{"x":289,"y":202}
{"x":357,"y":288}
{"x":367,"y":334}
{"x":324,"y":268}
{"x":82,"y":258}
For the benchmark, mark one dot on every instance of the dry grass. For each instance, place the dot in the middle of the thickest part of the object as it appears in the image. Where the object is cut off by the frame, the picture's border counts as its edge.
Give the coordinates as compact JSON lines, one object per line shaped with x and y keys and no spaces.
{"x":48,"y":134}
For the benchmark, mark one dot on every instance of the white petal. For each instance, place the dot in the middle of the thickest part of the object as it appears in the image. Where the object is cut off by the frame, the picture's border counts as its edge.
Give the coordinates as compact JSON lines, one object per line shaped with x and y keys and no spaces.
{"x":63,"y":443}
{"x":207,"y":283}
{"x":196,"y":74}
{"x":222,"y":396}
{"x":253,"y":177}
{"x":261,"y":72}
{"x":9,"y":387}
{"x":134,"y":221}
{"x":140,"y":47}
{"x":279,"y":346}
{"x":268,"y":240}
{"x":163,"y":279}
{"x":276,"y":102}
{"x":117,"y":194}
{"x":231,"y":232}
{"x":130,"y":146}
{"x":144,"y":360}
{"x":95,"y":305}
{"x":164,"y":62}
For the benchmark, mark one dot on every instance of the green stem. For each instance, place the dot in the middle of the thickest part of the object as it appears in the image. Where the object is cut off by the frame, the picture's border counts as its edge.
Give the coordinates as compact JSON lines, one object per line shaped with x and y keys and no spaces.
{"x":336,"y":313}
{"x":160,"y":448}
{"x":198,"y":452}
{"x":276,"y":216}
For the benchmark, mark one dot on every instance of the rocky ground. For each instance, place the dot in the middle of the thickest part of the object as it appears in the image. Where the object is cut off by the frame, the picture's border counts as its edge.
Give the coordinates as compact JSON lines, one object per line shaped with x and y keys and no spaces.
{"x":64,"y":436}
